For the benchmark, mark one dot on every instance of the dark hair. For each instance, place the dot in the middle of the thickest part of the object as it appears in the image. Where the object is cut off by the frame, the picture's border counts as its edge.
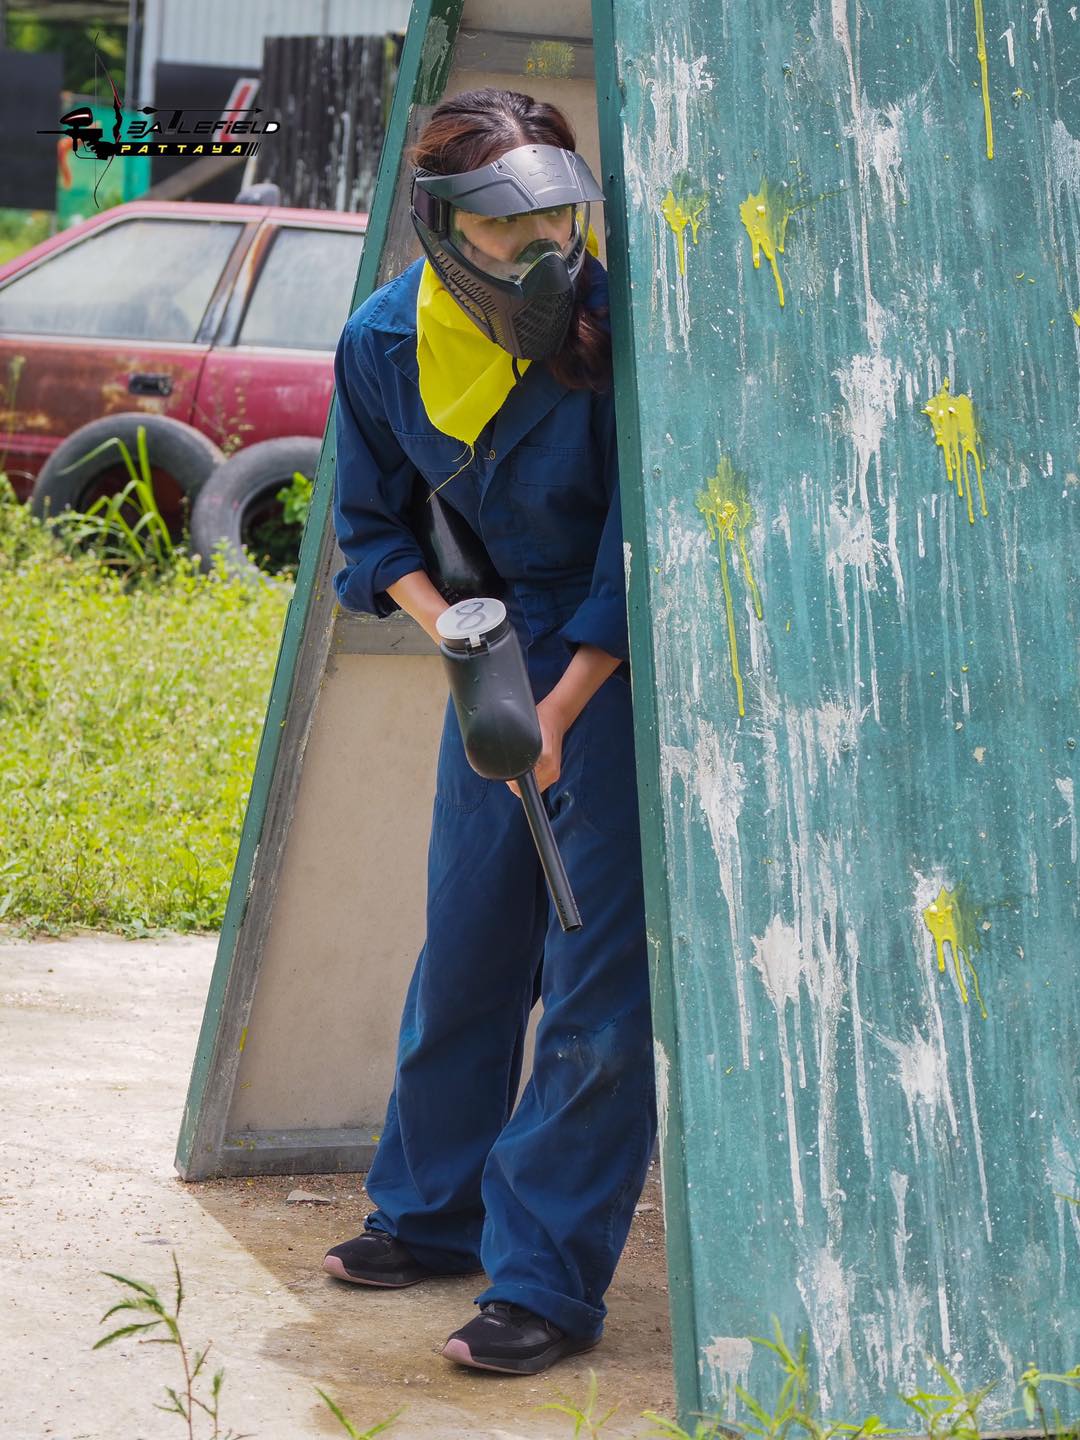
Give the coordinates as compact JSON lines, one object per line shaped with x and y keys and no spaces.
{"x":478,"y":126}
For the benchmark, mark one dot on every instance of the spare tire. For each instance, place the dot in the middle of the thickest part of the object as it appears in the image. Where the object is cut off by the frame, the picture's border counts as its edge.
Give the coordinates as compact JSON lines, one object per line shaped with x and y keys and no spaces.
{"x":181,"y":460}
{"x":238,"y":509}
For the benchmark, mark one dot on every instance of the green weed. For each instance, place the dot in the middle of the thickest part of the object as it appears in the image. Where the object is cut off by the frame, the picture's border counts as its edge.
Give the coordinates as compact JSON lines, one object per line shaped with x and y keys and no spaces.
{"x":144,"y":1300}
{"x":126,"y":530}
{"x":272,"y":542}
{"x":347,"y":1425}
{"x":952,"y":1412}
{"x":296,"y":499}
{"x":587,"y":1424}
{"x":130,"y":711}
{"x":1030,"y":1387}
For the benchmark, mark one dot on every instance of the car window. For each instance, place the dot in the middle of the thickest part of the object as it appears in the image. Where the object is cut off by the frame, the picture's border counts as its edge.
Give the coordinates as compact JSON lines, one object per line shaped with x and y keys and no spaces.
{"x":137,"y":280}
{"x":303,"y":290}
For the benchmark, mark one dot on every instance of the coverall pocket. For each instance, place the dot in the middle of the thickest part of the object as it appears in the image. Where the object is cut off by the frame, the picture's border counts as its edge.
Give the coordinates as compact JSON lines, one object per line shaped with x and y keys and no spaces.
{"x":560,"y":507}
{"x":436,"y":456}
{"x":456,"y":783}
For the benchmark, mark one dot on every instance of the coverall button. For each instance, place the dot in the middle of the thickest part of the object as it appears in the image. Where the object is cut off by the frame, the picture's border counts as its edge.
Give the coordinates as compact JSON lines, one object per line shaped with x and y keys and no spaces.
{"x":491,"y":454}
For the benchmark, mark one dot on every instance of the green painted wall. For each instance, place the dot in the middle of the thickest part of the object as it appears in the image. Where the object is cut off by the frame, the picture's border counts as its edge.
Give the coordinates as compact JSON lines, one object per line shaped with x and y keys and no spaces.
{"x":856,"y":654}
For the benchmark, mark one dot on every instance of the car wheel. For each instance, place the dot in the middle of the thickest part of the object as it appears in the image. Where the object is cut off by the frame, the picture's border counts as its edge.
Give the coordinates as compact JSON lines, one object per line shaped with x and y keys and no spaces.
{"x":238,"y":511}
{"x":181,"y":460}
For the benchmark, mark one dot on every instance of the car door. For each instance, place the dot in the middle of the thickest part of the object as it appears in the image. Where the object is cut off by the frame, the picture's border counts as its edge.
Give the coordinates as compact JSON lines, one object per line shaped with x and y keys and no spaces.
{"x":270,"y":372}
{"x":118,"y":320}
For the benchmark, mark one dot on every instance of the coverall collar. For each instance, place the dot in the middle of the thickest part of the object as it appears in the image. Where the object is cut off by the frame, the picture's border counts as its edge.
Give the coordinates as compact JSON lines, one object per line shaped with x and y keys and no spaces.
{"x":526,"y":405}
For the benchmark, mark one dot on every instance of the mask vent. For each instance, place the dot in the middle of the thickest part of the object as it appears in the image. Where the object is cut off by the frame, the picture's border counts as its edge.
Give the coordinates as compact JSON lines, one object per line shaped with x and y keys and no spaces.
{"x":471,"y":294}
{"x":540,"y":327}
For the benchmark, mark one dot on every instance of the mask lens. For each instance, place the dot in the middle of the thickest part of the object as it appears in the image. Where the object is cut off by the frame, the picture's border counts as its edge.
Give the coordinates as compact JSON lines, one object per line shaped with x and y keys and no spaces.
{"x":508,"y":247}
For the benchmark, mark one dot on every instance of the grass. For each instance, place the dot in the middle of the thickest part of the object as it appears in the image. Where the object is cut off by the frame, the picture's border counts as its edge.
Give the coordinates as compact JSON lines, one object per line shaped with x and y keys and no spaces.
{"x":131,"y":707}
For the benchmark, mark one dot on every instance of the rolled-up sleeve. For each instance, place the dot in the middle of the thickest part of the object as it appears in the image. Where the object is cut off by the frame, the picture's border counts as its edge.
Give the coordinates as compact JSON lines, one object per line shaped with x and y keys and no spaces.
{"x":372,"y":486}
{"x":600,"y":619}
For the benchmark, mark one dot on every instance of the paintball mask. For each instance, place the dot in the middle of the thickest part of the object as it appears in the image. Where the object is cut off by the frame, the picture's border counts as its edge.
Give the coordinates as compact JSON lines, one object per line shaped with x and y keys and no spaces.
{"x":524,"y":302}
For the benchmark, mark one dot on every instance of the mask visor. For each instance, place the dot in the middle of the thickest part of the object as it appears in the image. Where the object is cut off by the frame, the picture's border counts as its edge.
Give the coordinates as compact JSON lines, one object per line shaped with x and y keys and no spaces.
{"x":535,"y":230}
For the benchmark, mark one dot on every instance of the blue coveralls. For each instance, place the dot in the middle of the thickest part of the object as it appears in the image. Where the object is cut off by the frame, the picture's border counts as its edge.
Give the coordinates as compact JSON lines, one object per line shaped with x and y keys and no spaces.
{"x":543,"y":1195}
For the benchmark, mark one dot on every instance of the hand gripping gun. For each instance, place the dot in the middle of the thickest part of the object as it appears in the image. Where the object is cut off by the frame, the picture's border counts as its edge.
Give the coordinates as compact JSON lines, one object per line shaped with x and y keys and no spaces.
{"x":499,"y":725}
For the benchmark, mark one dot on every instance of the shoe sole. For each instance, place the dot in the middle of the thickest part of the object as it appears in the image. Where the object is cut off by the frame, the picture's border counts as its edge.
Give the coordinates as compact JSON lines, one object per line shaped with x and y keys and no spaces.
{"x":333,"y":1266}
{"x":458,"y":1351}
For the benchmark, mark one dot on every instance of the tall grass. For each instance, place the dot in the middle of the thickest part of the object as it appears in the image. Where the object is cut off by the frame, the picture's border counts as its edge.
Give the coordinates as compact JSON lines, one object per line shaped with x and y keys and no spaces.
{"x":130,"y":714}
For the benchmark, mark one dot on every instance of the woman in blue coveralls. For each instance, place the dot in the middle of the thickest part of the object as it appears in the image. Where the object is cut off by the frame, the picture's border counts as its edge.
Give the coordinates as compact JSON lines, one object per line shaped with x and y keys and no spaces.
{"x":485,"y":368}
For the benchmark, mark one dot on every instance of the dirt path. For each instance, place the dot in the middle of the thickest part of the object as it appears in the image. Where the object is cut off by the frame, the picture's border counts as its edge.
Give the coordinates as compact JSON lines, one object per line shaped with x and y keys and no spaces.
{"x":97,"y":1036}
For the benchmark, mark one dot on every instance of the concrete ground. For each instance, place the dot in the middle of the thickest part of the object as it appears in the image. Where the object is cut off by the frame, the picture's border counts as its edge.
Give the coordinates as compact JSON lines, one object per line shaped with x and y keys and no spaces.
{"x":97,"y":1036}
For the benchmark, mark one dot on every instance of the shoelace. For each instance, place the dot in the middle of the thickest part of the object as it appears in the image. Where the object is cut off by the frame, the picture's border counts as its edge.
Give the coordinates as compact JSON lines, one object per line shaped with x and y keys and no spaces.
{"x":505,"y":1313}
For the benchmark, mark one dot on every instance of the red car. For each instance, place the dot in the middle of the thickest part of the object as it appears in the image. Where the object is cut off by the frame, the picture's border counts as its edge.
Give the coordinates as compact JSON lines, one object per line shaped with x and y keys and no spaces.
{"x":222,"y":316}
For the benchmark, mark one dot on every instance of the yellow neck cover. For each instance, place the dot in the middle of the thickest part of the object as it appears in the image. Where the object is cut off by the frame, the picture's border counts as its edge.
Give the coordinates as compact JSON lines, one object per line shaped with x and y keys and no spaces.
{"x":464,"y":376}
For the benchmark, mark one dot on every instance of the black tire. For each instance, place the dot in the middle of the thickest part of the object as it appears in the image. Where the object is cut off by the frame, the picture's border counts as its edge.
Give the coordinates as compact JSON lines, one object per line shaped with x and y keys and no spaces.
{"x":241,"y":491}
{"x":181,"y":460}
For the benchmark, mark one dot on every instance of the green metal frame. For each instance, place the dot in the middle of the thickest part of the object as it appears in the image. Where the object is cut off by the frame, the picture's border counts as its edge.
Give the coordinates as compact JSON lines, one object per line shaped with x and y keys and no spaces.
{"x":422,"y":76}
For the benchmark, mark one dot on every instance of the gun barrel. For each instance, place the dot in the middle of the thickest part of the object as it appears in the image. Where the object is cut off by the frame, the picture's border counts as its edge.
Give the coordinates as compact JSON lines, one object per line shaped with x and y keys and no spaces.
{"x":558,"y":883}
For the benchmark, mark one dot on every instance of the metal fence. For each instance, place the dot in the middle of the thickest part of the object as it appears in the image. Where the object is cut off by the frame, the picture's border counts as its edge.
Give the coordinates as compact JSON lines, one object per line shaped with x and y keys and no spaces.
{"x":332,"y":95}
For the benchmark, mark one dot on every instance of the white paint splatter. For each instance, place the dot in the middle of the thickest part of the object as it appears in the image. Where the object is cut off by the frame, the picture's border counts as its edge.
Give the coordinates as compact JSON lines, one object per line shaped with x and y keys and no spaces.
{"x":922,"y":1071}
{"x":975,"y":1126}
{"x":943,"y":1317}
{"x":850,"y":544}
{"x":778,"y":958}
{"x":1063,"y":1177}
{"x":1064,"y":158}
{"x":894,"y":554}
{"x":868,"y":384}
{"x":835,"y":729}
{"x":850,"y":541}
{"x":908,"y":1301}
{"x":861,"y":1093}
{"x":1067,"y":791}
{"x":720,"y":785}
{"x":727,"y":1359}
{"x":826,"y":1291}
{"x":627,"y":555}
{"x":663,"y":1090}
{"x":842,"y":34}
{"x":717,"y":782}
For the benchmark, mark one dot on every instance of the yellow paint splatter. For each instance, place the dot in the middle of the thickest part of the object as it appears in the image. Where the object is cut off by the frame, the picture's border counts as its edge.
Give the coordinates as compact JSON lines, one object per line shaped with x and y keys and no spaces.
{"x":955,"y":430}
{"x":766,"y":216}
{"x":952,"y":921}
{"x":551,"y":58}
{"x":680,"y":211}
{"x":1076,"y":316}
{"x":243,"y":1039}
{"x":980,"y":50}
{"x":725,"y":504}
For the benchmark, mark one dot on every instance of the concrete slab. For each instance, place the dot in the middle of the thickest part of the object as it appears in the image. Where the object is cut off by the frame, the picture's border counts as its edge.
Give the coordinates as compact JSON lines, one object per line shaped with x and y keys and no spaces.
{"x":97,"y":1036}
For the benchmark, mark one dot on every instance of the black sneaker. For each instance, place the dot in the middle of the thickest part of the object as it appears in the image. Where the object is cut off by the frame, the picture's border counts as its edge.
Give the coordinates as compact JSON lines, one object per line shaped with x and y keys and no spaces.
{"x":512,"y":1340}
{"x":375,"y":1258}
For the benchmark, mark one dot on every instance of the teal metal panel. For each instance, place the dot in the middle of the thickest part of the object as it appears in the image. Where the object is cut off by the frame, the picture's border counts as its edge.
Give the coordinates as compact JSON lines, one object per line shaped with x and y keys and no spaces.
{"x":846,"y":276}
